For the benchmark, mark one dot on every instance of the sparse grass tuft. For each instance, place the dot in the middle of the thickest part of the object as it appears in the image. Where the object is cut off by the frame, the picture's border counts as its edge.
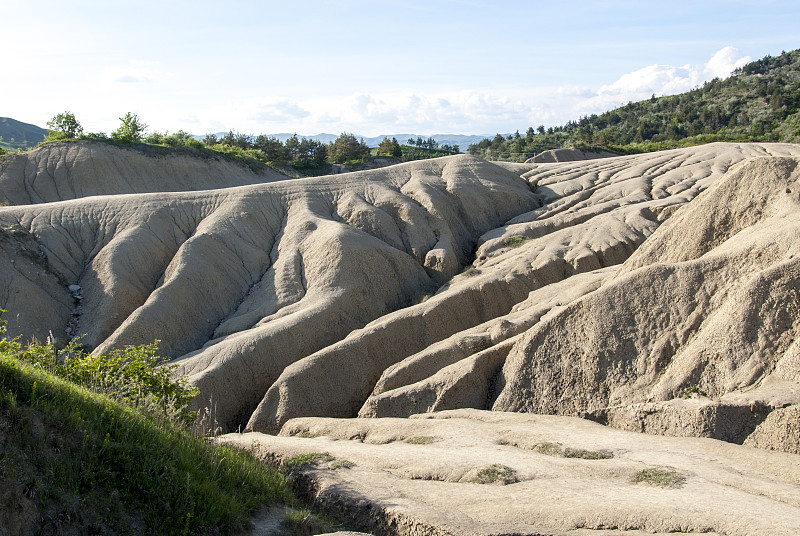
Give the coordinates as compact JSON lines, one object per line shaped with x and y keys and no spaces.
{"x":470,"y":272}
{"x":475,"y":344}
{"x":665,"y":478}
{"x":515,"y":241}
{"x":421,"y":440}
{"x":311,"y":458}
{"x":342,"y":464}
{"x":693,"y":390}
{"x":554,"y":449}
{"x":550,"y":449}
{"x":304,"y":522}
{"x":495,"y":473}
{"x":422,"y":297}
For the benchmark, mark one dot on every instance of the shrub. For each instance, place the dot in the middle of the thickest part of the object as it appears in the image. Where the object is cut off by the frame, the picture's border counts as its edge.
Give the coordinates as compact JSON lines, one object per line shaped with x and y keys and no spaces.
{"x":134,"y":375}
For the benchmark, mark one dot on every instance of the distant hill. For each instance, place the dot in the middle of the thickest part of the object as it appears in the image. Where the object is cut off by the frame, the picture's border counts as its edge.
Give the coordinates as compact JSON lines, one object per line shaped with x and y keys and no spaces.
{"x":758,"y":102}
{"x":18,"y":135}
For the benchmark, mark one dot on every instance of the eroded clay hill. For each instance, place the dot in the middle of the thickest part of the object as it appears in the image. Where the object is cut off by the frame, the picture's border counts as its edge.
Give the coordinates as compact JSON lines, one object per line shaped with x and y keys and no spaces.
{"x":61,"y":171}
{"x":654,"y":292}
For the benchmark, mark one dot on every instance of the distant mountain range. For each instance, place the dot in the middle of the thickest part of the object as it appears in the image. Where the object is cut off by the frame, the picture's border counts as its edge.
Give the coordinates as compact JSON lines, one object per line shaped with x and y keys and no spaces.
{"x":18,"y":135}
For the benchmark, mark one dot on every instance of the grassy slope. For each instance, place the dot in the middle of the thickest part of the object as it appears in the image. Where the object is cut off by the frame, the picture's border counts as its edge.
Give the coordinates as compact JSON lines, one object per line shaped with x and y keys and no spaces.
{"x":75,"y":462}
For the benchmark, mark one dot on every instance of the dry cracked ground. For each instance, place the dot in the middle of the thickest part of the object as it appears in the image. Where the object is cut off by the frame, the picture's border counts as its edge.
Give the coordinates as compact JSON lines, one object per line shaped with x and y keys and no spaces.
{"x":523,"y":313}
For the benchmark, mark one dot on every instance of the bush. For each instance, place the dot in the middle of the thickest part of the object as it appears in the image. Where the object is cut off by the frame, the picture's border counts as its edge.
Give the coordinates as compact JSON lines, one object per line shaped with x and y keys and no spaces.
{"x":133,"y":375}
{"x":131,"y":129}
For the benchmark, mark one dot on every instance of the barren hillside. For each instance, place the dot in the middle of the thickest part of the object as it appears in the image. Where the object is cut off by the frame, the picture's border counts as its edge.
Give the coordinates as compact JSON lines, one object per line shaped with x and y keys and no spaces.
{"x":611,"y":289}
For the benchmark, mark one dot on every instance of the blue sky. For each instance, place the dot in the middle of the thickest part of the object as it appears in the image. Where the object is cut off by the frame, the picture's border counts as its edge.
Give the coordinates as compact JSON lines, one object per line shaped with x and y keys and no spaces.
{"x":423,"y":67}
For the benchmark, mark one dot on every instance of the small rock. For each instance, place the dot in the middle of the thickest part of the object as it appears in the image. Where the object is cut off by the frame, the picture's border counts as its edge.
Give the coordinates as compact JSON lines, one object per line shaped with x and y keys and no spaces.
{"x":74,"y":288}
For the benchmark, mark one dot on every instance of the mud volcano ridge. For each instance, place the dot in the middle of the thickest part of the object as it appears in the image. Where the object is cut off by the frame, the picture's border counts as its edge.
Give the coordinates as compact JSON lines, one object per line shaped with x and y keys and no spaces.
{"x":654,"y":292}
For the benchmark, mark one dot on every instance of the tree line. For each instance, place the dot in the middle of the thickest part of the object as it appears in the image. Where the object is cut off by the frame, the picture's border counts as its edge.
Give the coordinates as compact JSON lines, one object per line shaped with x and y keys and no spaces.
{"x":303,"y":154}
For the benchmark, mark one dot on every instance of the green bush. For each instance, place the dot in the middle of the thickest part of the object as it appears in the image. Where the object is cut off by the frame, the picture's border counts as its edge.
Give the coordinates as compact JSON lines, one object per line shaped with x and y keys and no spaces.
{"x":133,"y":375}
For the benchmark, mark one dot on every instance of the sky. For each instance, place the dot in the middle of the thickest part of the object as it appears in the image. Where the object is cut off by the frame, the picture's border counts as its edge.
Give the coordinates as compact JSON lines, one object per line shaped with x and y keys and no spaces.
{"x":368,"y":67}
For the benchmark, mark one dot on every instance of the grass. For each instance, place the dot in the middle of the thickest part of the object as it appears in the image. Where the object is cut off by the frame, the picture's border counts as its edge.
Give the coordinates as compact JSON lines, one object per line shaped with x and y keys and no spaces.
{"x":664,"y":478}
{"x":82,"y":459}
{"x":302,"y":522}
{"x":342,"y":464}
{"x":311,"y":458}
{"x":554,"y":449}
{"x":493,"y":474}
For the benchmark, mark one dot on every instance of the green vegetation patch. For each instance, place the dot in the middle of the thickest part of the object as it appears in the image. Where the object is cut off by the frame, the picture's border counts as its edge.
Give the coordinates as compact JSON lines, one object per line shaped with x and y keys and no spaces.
{"x":84,"y":460}
{"x":664,"y":478}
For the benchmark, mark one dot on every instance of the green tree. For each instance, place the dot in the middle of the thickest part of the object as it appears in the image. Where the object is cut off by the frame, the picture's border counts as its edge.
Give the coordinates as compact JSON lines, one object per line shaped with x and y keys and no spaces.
{"x":346,"y":148}
{"x":272,"y":148}
{"x":130,"y":130}
{"x":385,"y":147}
{"x":63,"y":127}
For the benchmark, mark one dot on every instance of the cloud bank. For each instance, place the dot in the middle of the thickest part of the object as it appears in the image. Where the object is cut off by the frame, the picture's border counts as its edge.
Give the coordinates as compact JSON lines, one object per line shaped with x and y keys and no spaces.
{"x":660,"y":80}
{"x":470,"y":111}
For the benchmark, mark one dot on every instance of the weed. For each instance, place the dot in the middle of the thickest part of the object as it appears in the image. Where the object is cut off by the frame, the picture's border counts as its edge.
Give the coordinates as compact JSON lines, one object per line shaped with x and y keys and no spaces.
{"x":471,"y":272}
{"x":665,"y":478}
{"x":341,"y":464}
{"x":495,"y":473}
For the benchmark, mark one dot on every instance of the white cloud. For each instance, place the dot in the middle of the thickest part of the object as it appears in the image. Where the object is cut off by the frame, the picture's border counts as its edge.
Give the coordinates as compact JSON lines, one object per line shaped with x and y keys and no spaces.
{"x":661,"y":80}
{"x":724,"y":62}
